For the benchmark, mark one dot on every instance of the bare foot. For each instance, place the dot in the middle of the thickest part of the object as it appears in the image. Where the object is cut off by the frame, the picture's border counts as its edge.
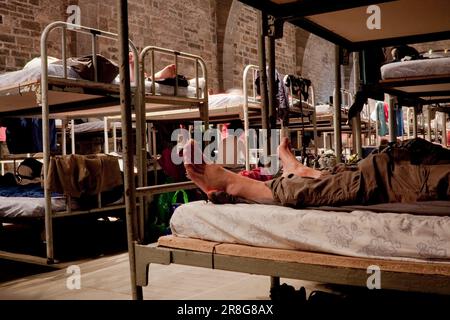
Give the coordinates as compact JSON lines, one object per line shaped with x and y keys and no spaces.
{"x":213,"y":178}
{"x":291,"y":164}
{"x":168,"y":72}
{"x":208,"y":177}
{"x":288,"y":160}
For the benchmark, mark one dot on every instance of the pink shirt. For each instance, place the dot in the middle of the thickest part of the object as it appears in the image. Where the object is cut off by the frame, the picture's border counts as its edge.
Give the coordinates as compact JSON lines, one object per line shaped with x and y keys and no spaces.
{"x":2,"y":134}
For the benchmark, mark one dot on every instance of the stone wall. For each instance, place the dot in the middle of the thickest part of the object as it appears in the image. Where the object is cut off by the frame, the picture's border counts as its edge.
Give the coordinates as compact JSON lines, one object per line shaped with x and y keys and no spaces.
{"x":21,"y":24}
{"x":223,"y":32}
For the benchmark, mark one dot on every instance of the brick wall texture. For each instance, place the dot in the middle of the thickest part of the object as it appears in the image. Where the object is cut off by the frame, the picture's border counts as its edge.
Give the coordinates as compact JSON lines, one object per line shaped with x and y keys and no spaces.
{"x":223,"y":32}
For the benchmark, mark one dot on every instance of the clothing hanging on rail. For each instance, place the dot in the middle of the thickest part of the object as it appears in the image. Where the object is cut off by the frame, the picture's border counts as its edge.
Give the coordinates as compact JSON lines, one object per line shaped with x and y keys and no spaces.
{"x":282,"y":99}
{"x":381,"y":117}
{"x":399,"y":121}
{"x":24,"y":135}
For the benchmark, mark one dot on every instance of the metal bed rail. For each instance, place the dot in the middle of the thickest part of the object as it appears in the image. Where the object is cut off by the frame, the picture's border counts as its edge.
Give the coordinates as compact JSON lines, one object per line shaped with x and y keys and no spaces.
{"x":247,"y":99}
{"x":200,"y":100}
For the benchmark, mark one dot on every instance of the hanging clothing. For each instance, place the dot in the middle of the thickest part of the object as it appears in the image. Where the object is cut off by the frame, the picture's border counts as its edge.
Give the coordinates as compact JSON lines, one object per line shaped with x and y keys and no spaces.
{"x":24,"y":135}
{"x":2,"y":134}
{"x":399,"y":121}
{"x":381,"y":117}
{"x":282,"y":99}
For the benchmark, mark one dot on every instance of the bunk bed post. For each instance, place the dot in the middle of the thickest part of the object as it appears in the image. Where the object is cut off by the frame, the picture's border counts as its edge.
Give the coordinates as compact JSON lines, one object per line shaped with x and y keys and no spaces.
{"x":176,"y":78}
{"x":262,"y":69}
{"x":436,"y":129}
{"x":415,"y":134}
{"x":46,"y":145}
{"x":125,"y":102}
{"x":63,"y":136}
{"x":392,"y":133}
{"x":357,"y":122}
{"x":314,"y":119}
{"x":141,"y":152}
{"x":114,"y":137}
{"x":105,"y":134}
{"x":271,"y":86}
{"x":94,"y":55}
{"x":407,"y":124}
{"x":63,"y":50}
{"x":204,"y":108}
{"x":429,"y":123}
{"x":72,"y":136}
{"x":337,"y":106}
{"x":444,"y":129}
{"x":246,"y":120}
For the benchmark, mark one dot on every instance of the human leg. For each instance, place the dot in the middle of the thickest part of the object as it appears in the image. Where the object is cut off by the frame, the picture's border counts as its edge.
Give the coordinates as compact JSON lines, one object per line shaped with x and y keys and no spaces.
{"x":211,"y":177}
{"x":168,"y":71}
{"x":291,"y":165}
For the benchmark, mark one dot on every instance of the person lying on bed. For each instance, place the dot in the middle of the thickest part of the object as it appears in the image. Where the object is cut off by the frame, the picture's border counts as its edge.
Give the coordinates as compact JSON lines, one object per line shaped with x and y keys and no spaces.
{"x":168,"y":72}
{"x":415,"y":170}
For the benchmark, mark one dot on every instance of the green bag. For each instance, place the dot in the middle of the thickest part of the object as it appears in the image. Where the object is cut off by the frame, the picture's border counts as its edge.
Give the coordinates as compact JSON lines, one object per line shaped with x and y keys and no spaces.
{"x":167,"y":203}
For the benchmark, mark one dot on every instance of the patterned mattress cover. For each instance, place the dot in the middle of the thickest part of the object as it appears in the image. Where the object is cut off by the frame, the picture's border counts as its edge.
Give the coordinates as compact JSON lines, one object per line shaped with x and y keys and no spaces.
{"x":357,"y":233}
{"x":416,"y":68}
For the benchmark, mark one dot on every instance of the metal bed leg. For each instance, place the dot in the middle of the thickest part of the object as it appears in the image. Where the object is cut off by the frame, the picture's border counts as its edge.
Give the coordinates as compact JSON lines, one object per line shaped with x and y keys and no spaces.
{"x":105,"y":135}
{"x":444,"y":129}
{"x":64,"y":137}
{"x":125,"y":99}
{"x":337,"y":108}
{"x":429,"y":123}
{"x":274,"y":282}
{"x":414,"y":122}
{"x":392,"y":133}
{"x":72,"y":136}
{"x":46,"y":147}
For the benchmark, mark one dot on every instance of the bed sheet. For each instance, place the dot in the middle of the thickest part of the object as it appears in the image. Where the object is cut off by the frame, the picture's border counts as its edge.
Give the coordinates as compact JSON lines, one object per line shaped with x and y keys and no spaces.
{"x":55,"y":70}
{"x":416,"y":68}
{"x":34,"y":74}
{"x":357,"y":233}
{"x":25,"y":207}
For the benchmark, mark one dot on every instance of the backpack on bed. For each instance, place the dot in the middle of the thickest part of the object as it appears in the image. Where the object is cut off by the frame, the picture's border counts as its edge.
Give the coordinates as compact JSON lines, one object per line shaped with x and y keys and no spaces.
{"x":29,"y":168}
{"x":107,"y":70}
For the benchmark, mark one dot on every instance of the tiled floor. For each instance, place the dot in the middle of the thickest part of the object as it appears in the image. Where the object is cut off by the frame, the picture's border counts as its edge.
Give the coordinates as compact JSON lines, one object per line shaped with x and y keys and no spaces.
{"x":108,"y":278}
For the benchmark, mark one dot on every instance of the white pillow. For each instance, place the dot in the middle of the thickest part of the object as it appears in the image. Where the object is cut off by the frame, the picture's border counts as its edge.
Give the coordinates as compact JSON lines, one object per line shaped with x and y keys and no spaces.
{"x":36,"y":62}
{"x":201,"y":83}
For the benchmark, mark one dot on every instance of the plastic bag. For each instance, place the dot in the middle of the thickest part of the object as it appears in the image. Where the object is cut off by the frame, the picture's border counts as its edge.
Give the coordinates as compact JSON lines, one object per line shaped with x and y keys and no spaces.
{"x":167,"y":203}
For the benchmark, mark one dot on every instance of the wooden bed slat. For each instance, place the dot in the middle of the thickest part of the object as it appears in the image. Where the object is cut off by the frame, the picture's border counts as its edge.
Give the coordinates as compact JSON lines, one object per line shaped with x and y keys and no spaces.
{"x":325,"y":268}
{"x":303,"y":256}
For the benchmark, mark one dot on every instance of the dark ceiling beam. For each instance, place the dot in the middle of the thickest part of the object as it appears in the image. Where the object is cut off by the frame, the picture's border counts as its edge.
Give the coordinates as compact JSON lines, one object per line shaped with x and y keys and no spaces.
{"x":303,"y":8}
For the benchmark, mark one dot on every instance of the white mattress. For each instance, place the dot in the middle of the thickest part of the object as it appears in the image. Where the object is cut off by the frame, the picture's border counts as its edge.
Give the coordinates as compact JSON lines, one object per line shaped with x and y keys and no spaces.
{"x":16,"y":78}
{"x":224,"y":100}
{"x":416,"y":68}
{"x":357,"y":233}
{"x":90,"y":126}
{"x":25,"y":207}
{"x":161,"y":89}
{"x":324,"y":109}
{"x":95,"y":126}
{"x":33,"y":74}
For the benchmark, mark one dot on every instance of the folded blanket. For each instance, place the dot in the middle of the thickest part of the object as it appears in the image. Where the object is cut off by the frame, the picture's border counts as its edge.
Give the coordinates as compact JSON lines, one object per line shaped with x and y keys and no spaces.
{"x":76,"y":175}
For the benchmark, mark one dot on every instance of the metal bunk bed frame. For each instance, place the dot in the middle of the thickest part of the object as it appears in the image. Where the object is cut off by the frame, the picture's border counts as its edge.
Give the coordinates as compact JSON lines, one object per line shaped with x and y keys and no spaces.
{"x":44,"y":101}
{"x":141,"y":255}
